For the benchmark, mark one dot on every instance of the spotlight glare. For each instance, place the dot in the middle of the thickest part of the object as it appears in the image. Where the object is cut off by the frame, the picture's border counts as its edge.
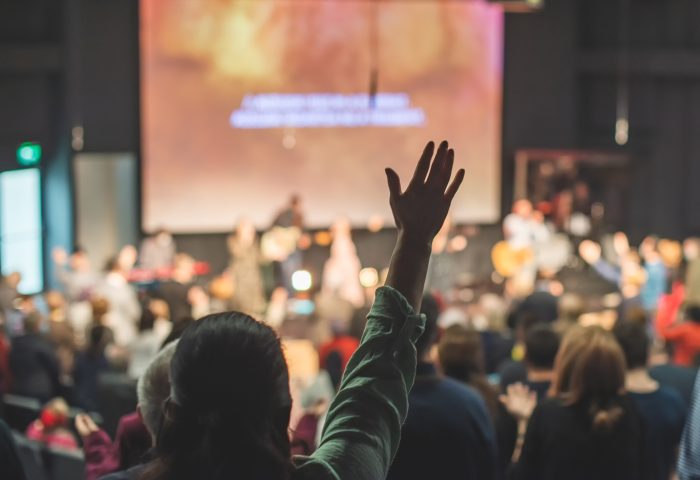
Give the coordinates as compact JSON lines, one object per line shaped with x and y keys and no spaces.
{"x":621,"y":131}
{"x":301,"y":281}
{"x":369,"y":277}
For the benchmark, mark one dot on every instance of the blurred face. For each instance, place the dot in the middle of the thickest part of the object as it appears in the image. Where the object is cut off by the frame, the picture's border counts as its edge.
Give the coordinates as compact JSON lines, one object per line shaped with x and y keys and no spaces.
{"x":79,"y":262}
{"x":163,"y":238}
{"x":54,"y":300}
{"x":523,"y":208}
{"x":647,"y":247}
{"x":691,"y":249}
{"x":127,"y":257}
{"x":629,"y":264}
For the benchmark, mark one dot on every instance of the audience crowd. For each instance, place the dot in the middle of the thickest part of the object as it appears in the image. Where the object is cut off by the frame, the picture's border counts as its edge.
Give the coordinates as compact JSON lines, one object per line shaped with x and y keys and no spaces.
{"x":153,"y":371}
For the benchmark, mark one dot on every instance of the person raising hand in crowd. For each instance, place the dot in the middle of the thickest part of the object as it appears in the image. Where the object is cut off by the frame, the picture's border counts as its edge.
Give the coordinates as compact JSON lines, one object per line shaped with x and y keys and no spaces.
{"x":214,"y":429}
{"x":589,"y":428}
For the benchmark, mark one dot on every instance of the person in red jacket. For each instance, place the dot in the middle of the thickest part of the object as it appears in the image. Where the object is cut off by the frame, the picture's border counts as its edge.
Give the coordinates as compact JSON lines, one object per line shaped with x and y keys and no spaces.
{"x":685,"y":337}
{"x":669,"y":308}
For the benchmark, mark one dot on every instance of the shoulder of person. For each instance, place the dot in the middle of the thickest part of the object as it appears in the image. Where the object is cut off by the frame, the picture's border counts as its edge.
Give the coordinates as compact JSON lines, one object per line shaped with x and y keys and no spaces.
{"x":550,"y":406}
{"x":671,"y":397}
{"x":466,"y":392}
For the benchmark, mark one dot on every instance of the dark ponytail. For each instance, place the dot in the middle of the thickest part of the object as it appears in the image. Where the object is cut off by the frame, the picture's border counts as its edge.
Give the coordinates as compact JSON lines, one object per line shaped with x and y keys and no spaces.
{"x":605,"y":419}
{"x":590,"y":373}
{"x":229,"y":411}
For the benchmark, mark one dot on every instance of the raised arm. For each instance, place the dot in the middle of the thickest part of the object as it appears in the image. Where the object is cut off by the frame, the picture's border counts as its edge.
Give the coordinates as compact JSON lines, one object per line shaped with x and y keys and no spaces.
{"x":591,"y":253}
{"x":419,"y":212}
{"x":363,"y":426}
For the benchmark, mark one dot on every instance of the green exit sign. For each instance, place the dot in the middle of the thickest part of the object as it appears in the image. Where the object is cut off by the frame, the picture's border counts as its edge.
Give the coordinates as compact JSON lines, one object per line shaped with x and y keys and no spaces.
{"x":29,"y":154}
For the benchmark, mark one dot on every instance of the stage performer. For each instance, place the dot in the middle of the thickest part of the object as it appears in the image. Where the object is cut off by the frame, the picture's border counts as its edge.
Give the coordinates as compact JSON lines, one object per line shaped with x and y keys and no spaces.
{"x":249,"y":296}
{"x":158,"y":250}
{"x":341,"y":273}
{"x":286,"y":238}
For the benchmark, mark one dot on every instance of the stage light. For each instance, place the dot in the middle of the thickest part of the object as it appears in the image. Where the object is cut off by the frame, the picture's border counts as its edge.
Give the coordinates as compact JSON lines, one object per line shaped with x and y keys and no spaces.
{"x":29,"y":154}
{"x":323,"y":238}
{"x":375,"y":223}
{"x":301,"y":281}
{"x":369,"y":277}
{"x":77,"y":139}
{"x":458,"y":243}
{"x":621,"y":131}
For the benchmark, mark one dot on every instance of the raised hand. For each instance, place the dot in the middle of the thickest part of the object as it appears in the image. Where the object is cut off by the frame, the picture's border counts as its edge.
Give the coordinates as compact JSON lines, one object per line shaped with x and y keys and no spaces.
{"x":589,"y":251}
{"x":85,"y":425}
{"x":621,"y":244}
{"x":519,"y":401}
{"x":420,"y":211}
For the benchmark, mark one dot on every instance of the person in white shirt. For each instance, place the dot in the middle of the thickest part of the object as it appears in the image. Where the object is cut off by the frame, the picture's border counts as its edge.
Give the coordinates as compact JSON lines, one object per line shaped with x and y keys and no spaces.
{"x":124,"y":307}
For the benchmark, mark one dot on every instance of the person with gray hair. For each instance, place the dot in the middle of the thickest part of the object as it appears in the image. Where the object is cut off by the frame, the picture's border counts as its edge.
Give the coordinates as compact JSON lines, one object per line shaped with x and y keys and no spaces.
{"x":137,"y":431}
{"x":153,"y":388}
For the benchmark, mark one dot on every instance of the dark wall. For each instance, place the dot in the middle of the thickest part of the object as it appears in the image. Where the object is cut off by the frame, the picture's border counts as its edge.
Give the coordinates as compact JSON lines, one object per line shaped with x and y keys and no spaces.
{"x":34,"y":102}
{"x":109,"y":99}
{"x":539,"y":84}
{"x":561,"y":87}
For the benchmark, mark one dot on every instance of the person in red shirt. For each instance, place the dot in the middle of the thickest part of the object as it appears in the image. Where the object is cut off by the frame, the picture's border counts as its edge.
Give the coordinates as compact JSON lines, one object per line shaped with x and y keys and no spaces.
{"x":51,"y":427}
{"x":335,"y":354}
{"x":685,"y":337}
{"x":669,"y":308}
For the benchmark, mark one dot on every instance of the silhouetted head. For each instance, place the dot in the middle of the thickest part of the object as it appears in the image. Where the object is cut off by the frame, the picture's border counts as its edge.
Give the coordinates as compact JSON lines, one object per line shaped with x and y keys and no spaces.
{"x":54,"y":415}
{"x":590,"y":373}
{"x":634,"y":341}
{"x":33,"y":322}
{"x":229,"y":409}
{"x":522,"y":207}
{"x":461,"y":353}
{"x":541,"y":347}
{"x":79,"y":259}
{"x":692,"y":313}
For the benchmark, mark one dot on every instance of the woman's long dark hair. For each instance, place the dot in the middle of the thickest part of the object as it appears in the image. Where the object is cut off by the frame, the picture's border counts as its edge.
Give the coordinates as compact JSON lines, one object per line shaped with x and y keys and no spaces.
{"x":590,"y":372}
{"x":229,"y":408}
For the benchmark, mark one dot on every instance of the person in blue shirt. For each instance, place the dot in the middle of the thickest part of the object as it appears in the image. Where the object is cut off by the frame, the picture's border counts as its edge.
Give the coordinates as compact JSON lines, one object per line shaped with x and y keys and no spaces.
{"x":657,"y":275}
{"x":662,"y":409}
{"x":448,"y":432}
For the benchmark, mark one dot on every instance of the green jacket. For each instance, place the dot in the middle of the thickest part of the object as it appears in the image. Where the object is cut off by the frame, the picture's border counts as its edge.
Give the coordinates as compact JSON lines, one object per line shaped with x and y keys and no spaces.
{"x":363,"y":426}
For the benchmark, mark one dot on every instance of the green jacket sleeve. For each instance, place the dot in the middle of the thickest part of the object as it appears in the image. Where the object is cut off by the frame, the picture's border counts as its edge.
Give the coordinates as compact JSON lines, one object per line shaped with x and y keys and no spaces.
{"x":363,"y":426}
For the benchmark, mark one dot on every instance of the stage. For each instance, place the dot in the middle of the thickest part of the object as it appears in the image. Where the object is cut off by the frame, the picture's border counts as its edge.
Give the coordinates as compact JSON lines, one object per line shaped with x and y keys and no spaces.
{"x":473,"y":266}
